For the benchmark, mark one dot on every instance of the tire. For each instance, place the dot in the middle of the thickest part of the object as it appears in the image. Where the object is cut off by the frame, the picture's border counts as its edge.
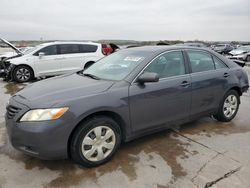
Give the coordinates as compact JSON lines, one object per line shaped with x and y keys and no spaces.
{"x":228,"y":107}
{"x":86,"y":148}
{"x":23,"y":73}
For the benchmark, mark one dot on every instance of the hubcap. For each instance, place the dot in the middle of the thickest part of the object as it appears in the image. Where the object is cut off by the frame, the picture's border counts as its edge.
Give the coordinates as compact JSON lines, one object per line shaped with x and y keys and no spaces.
{"x":98,"y":143}
{"x":230,"y":106}
{"x":23,"y":74}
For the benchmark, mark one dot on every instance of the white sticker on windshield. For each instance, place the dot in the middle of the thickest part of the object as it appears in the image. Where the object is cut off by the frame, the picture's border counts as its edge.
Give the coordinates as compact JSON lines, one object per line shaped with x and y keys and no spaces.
{"x":136,"y":59}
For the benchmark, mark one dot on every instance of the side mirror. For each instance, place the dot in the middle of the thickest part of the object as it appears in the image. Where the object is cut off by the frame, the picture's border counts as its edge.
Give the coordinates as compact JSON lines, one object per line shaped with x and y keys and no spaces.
{"x":148,"y":77}
{"x":41,"y":54}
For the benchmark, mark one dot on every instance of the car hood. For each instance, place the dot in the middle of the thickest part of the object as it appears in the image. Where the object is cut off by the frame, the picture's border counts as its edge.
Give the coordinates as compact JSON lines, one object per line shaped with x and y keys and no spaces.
{"x":7,"y":55}
{"x":17,"y":59}
{"x":237,"y":52}
{"x":60,"y":89}
{"x":11,"y":46}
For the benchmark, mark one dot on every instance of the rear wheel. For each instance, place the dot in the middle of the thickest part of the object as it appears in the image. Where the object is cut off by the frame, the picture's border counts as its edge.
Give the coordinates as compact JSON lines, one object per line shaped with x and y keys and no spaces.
{"x":228,"y":107}
{"x":23,"y":73}
{"x":95,"y":141}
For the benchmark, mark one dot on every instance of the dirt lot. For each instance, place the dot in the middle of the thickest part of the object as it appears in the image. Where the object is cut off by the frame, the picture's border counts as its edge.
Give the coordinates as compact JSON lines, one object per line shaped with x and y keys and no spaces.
{"x":204,"y":153}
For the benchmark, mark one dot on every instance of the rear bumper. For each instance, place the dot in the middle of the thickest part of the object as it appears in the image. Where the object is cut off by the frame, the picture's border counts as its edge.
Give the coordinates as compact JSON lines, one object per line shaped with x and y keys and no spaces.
{"x":244,"y":89}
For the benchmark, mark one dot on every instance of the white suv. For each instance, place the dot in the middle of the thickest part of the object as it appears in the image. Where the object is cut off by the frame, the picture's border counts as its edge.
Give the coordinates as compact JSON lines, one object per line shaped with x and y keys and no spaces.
{"x":50,"y":59}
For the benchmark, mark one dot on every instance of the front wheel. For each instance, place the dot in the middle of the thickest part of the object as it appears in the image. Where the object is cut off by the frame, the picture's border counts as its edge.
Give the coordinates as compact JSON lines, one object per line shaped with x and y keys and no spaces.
{"x":22,"y":74}
{"x":95,"y":141}
{"x":229,"y":107}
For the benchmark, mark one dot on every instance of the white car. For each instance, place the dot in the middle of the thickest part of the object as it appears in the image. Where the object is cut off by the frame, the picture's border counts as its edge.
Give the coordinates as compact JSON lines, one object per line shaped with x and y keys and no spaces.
{"x":241,"y":53}
{"x":51,"y":59}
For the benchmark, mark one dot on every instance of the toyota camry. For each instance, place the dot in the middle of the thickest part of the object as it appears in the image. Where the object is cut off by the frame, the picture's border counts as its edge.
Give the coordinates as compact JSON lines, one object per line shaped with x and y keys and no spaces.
{"x":86,"y":115}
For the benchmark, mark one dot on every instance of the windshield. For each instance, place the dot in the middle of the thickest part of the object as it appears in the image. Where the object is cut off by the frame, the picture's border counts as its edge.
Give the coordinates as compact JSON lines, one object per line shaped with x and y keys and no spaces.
{"x":31,"y":50}
{"x":115,"y":66}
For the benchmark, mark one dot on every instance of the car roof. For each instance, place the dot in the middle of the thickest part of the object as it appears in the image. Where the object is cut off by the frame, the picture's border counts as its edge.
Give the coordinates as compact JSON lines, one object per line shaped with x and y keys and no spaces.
{"x":222,"y":44}
{"x":68,"y":42}
{"x":160,"y":49}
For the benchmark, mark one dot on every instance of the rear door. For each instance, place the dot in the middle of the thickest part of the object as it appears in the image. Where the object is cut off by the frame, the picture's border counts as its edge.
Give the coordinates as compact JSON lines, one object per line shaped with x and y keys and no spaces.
{"x":75,"y":56}
{"x":154,"y":104}
{"x":71,"y":59}
{"x":209,"y":80}
{"x":91,"y":52}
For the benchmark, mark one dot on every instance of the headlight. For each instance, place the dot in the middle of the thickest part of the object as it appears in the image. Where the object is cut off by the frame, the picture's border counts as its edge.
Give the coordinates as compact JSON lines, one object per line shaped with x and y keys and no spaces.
{"x":44,"y":114}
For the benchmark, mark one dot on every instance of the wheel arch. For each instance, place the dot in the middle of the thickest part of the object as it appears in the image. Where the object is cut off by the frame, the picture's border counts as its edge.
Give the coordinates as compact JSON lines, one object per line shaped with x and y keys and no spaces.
{"x":111,"y":114}
{"x":16,"y":66}
{"x":236,"y":88}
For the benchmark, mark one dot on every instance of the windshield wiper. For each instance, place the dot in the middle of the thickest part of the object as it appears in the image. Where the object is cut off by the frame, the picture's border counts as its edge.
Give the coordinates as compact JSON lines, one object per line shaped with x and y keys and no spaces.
{"x":91,"y":76}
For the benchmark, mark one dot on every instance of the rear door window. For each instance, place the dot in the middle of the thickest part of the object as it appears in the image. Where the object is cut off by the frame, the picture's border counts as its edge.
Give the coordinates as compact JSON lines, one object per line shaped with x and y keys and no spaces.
{"x":87,"y":48}
{"x":200,"y":61}
{"x":218,"y":63}
{"x":69,"y":48}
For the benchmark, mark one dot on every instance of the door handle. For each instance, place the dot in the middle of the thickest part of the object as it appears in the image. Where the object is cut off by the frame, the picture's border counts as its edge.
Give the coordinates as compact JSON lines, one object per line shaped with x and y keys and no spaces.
{"x":60,"y":58}
{"x":226,"y":74}
{"x":185,"y":84}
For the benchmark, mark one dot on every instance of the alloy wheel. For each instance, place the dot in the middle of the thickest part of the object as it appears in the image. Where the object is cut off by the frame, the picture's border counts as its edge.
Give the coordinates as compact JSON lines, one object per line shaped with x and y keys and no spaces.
{"x":23,"y":74}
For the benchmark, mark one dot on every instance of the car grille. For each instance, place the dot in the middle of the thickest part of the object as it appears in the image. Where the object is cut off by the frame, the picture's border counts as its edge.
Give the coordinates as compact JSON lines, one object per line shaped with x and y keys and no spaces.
{"x":12,"y":111}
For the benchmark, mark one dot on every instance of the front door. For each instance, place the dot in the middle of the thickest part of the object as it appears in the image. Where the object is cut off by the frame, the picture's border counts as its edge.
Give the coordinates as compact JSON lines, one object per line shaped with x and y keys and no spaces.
{"x":49,"y":63}
{"x":160,"y":103}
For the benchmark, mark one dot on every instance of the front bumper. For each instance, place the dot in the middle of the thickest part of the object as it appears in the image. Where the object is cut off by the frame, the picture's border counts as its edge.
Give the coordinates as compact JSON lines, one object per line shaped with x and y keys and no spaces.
{"x":6,"y":70}
{"x":2,"y":72}
{"x":237,"y":57}
{"x":46,"y":140}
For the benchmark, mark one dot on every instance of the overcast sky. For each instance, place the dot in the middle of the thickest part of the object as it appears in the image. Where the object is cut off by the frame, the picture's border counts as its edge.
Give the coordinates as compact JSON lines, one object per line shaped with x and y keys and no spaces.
{"x":125,"y":19}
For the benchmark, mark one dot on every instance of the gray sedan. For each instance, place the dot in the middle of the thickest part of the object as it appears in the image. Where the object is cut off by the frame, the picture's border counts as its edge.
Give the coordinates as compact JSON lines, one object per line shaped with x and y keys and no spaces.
{"x":134,"y":92}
